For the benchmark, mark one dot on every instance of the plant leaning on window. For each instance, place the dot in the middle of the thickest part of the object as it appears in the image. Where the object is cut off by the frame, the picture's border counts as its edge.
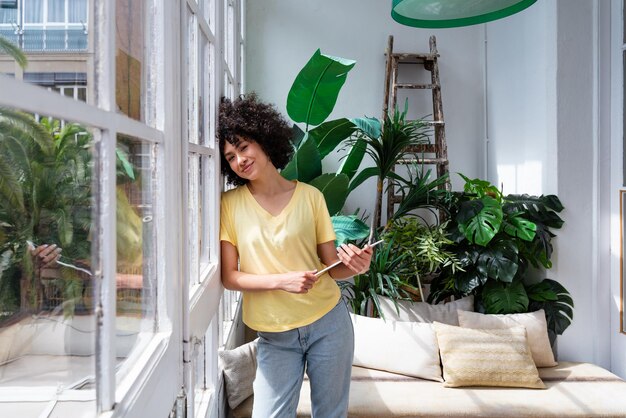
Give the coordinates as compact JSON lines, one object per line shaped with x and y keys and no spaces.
{"x":496,"y":239}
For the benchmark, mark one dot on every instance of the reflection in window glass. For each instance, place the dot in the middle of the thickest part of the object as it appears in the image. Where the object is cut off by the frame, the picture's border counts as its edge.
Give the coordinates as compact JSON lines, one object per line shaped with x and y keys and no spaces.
{"x":129,"y":62}
{"x":47,"y":324}
{"x":136,"y":273}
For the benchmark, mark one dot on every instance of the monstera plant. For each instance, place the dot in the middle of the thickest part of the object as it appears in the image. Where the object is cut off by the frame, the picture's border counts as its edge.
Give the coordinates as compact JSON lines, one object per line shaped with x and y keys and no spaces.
{"x":496,"y":239}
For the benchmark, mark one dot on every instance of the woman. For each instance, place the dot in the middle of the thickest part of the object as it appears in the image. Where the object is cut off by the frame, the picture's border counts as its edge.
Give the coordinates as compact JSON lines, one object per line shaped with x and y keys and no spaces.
{"x":275,"y":234}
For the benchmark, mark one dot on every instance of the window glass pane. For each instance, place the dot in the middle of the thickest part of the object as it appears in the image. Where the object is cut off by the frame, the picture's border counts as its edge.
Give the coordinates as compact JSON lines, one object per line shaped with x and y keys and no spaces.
{"x":8,"y":15}
{"x":47,"y":323}
{"x":56,"y":11}
{"x":136,"y":245}
{"x":624,"y":117}
{"x":77,"y":11}
{"x":199,"y":366}
{"x":130,"y":57}
{"x":203,"y":88}
{"x":192,"y":81}
{"x":33,"y":11}
{"x":194,"y":218}
{"x":206,"y":163}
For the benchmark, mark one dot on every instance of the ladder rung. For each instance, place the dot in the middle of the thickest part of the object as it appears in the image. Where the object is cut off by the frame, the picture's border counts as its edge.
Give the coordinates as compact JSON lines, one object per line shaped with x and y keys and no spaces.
{"x":434,"y":161}
{"x":416,"y":86}
{"x":423,"y":149}
{"x":433,"y":122}
{"x":413,"y":58}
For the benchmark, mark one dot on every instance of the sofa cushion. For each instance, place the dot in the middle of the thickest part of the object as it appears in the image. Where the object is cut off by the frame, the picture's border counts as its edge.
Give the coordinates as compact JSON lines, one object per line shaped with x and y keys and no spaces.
{"x":408,"y":348}
{"x":445,"y":313}
{"x":534,"y":322}
{"x":239,"y":367}
{"x":486,"y":357}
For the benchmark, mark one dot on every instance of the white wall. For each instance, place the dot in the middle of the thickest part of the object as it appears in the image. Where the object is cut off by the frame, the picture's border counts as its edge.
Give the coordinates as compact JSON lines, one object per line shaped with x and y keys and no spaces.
{"x":521,"y":101}
{"x":542,"y":129}
{"x":282,"y":36}
{"x":543,"y":139}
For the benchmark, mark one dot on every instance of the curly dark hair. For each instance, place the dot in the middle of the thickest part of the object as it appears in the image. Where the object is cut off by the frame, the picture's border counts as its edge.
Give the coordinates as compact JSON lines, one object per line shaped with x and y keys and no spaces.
{"x":247,"y":117}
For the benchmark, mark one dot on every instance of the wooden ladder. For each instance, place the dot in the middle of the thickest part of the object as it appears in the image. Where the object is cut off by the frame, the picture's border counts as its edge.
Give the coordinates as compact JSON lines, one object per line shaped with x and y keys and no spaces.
{"x":428,"y":154}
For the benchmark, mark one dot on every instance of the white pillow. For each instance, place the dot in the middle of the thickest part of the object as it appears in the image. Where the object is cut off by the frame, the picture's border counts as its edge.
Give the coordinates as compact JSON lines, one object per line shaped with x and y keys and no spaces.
{"x":425,"y":312}
{"x":239,"y":367}
{"x":534,"y":322}
{"x":408,"y":348}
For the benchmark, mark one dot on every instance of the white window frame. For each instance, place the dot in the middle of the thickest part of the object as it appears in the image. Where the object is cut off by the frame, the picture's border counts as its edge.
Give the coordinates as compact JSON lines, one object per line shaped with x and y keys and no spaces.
{"x":185,"y":314}
{"x":204,"y":320}
{"x":160,"y":360}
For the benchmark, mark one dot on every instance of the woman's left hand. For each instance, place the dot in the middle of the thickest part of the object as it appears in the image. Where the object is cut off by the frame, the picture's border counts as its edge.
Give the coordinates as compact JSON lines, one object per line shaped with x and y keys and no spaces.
{"x":356,"y":259}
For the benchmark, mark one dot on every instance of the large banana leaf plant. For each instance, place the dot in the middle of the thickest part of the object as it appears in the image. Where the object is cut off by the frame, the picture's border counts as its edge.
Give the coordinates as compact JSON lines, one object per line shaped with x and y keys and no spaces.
{"x":311,"y":100}
{"x":496,"y":239}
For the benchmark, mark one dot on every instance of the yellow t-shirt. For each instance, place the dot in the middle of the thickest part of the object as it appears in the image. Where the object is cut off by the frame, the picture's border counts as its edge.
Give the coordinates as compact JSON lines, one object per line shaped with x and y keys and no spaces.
{"x":270,"y":244}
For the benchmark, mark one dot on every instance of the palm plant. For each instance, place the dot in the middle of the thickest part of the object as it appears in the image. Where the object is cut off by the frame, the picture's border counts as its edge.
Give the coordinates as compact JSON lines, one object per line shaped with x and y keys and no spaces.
{"x":396,"y":141}
{"x":45,"y":190}
{"x":14,"y":51}
{"x":385,"y":277}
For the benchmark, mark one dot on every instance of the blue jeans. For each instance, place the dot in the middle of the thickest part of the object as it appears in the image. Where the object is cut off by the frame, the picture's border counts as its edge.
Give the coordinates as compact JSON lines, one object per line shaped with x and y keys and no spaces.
{"x":325,"y":348}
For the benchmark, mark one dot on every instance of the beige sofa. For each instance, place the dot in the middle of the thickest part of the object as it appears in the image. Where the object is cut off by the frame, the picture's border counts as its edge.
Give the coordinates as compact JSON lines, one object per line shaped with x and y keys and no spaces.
{"x":573,"y":390}
{"x":412,"y":364}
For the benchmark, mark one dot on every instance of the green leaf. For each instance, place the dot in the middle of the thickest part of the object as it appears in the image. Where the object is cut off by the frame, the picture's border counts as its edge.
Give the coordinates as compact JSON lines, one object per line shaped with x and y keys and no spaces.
{"x":481,"y":228}
{"x":468,"y":210}
{"x":369,"y":126}
{"x":552,"y":202}
{"x":537,"y":209}
{"x":541,"y":292}
{"x":419,"y":192}
{"x":13,"y":51}
{"x":504,"y":298}
{"x":559,"y":312}
{"x":362,"y":176}
{"x":335,"y":190}
{"x":65,"y":228}
{"x":353,"y":160}
{"x":126,"y":165}
{"x":297,"y":136}
{"x":349,"y":228}
{"x":499,"y":262}
{"x":329,"y":134}
{"x":518,"y":227}
{"x":466,"y":282}
{"x":481,"y":188}
{"x":314,"y":91}
{"x":305,"y":164}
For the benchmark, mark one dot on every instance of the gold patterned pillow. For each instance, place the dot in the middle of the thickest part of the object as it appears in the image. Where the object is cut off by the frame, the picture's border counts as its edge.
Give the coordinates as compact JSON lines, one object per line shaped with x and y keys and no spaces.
{"x":486,"y":357}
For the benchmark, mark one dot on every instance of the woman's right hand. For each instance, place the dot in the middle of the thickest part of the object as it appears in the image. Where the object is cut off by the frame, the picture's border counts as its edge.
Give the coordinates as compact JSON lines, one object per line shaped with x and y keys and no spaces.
{"x":298,"y":281}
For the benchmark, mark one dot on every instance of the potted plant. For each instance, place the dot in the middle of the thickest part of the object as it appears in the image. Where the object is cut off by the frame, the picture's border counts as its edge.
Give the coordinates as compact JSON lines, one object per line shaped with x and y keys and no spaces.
{"x":496,"y":239}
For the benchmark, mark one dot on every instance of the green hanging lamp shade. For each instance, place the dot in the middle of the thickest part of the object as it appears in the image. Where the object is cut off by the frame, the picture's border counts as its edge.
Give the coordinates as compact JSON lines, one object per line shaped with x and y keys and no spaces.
{"x":453,"y":13}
